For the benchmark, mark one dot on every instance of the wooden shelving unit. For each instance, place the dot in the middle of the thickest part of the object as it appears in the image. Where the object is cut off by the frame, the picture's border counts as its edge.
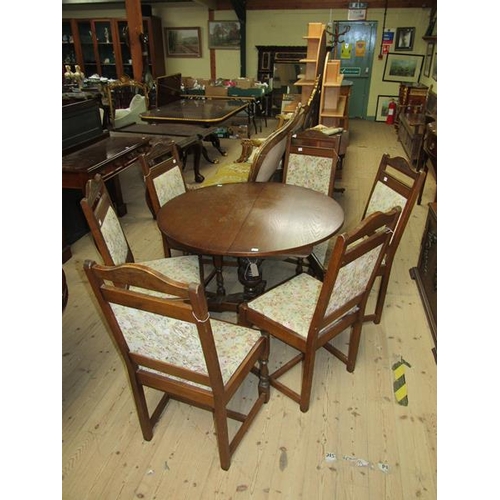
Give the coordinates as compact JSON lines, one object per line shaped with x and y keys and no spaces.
{"x":316,"y":51}
{"x":333,"y":110}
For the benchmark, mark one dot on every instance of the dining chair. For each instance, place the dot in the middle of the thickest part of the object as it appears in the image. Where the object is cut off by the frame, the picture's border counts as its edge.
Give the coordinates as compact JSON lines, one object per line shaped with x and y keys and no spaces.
{"x":111,"y":241}
{"x":263,"y":164}
{"x":306,"y":313}
{"x":309,"y":166}
{"x":395,"y":183}
{"x":126,"y":99}
{"x":162,"y":171}
{"x":170,"y":343}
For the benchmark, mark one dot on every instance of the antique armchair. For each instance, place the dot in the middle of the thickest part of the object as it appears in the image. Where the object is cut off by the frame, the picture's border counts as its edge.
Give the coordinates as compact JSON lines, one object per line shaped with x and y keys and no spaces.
{"x":249,"y":147}
{"x":395,"y":184}
{"x":261,"y":166}
{"x":306,"y":313}
{"x":169,"y":342}
{"x":112,"y":244}
{"x":126,"y":99}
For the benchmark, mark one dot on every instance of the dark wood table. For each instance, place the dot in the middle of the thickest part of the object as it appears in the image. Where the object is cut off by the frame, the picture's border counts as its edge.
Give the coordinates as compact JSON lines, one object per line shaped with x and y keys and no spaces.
{"x":200,"y":111}
{"x":249,"y":221}
{"x":108,"y":156}
{"x":187,"y":138}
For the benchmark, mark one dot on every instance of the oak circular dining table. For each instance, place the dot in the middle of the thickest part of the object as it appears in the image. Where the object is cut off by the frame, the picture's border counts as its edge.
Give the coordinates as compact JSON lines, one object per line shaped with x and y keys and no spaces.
{"x":249,"y":221}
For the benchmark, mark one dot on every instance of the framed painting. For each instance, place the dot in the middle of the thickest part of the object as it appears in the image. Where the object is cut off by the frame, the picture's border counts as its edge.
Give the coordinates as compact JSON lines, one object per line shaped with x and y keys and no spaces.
{"x":183,"y":42}
{"x":403,"y":67}
{"x":224,"y":35}
{"x":404,"y":38}
{"x":428,"y":59}
{"x":383,"y":102}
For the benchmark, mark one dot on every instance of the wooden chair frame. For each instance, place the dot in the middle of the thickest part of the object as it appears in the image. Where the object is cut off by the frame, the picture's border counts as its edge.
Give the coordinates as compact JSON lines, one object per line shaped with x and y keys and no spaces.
{"x":373,"y":232}
{"x":397,"y":174}
{"x":187,"y":303}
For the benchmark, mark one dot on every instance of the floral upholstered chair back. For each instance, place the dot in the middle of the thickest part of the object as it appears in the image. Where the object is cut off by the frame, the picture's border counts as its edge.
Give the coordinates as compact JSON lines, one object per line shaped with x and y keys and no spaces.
{"x":310,"y":167}
{"x":396,"y":184}
{"x":104,"y":224}
{"x":162,"y":172}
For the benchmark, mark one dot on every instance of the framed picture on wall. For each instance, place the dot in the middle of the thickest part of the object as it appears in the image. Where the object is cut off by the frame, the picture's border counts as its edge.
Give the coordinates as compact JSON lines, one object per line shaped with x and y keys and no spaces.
{"x":428,"y":59}
{"x":405,"y":38}
{"x":183,"y":42}
{"x":403,"y":67}
{"x":383,"y":102}
{"x":224,"y":35}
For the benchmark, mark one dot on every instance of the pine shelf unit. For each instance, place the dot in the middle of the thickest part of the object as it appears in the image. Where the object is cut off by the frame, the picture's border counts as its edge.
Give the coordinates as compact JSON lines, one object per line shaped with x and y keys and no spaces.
{"x":333,"y":108}
{"x":316,"y":51}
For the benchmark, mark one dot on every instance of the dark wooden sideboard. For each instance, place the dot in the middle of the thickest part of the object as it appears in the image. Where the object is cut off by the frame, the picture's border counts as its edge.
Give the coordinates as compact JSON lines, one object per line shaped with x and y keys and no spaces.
{"x":425,"y":273}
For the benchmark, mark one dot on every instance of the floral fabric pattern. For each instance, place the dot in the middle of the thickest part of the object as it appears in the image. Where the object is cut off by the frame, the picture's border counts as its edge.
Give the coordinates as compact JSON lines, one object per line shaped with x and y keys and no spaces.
{"x":178,"y":343}
{"x":313,"y":172}
{"x":114,"y":237}
{"x":293,"y":303}
{"x":169,"y":185}
{"x":384,"y":199}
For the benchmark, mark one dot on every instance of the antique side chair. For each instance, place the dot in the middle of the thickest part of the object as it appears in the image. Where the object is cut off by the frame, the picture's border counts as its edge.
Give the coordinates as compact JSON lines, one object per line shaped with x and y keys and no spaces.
{"x":112,"y":244}
{"x":395,"y":184}
{"x":306,"y":313}
{"x":169,"y":342}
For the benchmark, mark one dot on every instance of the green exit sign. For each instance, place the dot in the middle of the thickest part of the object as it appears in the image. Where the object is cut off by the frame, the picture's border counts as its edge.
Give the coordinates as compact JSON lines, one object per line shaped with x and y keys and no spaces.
{"x":350,"y":71}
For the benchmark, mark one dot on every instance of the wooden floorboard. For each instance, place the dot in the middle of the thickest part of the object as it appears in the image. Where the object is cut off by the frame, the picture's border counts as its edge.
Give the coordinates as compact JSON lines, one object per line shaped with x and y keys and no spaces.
{"x":354,"y":427}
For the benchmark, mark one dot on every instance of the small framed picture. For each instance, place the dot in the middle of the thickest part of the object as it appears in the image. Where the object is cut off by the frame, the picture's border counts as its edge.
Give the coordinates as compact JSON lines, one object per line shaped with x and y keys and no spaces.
{"x":405,"y":38}
{"x":224,"y":35}
{"x":383,"y":102}
{"x":183,"y":42}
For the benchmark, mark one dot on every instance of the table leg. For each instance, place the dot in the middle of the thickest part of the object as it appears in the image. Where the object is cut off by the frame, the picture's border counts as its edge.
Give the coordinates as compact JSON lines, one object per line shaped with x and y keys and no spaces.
{"x":250,"y":276}
{"x":214,"y":139}
{"x":197,"y":149}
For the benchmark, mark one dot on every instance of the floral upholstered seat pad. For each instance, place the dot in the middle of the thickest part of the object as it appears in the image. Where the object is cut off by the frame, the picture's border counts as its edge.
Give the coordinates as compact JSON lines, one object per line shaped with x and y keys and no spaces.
{"x":177,"y":342}
{"x":185,"y":268}
{"x":293,"y":303}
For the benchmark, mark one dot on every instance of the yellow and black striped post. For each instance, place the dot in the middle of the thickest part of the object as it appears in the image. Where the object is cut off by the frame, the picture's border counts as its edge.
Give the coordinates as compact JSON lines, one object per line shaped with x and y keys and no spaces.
{"x":400,"y":388}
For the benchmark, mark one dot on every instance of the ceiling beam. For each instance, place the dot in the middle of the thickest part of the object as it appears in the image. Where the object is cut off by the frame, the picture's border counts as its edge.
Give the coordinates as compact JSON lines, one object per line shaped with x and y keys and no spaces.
{"x":325,"y":4}
{"x":210,"y":4}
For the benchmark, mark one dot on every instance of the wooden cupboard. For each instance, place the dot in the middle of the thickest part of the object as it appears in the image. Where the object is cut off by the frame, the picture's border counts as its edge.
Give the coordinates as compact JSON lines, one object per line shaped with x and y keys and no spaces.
{"x":100,"y":46}
{"x":425,"y":273}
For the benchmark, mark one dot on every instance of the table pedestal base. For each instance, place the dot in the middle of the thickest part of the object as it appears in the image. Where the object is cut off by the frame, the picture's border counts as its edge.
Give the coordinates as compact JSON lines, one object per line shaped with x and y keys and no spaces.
{"x":249,"y":275}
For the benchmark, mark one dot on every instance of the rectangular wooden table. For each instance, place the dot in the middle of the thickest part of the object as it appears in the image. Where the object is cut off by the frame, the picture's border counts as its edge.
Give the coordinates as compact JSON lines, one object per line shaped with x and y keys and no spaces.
{"x":206,"y":112}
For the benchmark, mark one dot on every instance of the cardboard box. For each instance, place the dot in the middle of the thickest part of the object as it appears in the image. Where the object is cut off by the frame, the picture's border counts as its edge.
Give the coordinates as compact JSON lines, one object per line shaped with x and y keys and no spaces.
{"x":215,"y":91}
{"x":244,"y":83}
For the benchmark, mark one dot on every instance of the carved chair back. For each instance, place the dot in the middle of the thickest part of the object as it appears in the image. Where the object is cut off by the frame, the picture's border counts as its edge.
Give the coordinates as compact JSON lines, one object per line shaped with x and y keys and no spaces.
{"x":169,"y":342}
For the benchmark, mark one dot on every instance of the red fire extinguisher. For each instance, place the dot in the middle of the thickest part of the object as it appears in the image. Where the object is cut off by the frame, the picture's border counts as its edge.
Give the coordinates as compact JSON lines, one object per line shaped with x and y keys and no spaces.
{"x":391,"y":113}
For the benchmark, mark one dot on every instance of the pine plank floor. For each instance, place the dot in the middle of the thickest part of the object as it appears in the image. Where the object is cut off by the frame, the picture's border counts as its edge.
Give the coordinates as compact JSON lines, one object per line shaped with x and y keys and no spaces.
{"x":355,"y":442}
